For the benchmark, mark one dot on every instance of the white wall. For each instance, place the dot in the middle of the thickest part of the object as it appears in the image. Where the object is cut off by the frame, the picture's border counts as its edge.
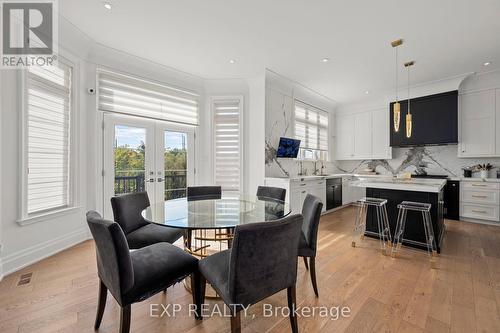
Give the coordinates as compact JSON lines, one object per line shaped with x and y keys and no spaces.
{"x":23,"y":245}
{"x":1,"y":177}
{"x":255,"y":130}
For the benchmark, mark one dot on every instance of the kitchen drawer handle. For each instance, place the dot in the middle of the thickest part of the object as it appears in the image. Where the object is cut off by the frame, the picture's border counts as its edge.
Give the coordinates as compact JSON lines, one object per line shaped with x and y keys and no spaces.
{"x":302,"y":184}
{"x":303,"y":191}
{"x":479,"y":196}
{"x":479,"y":211}
{"x":479,"y":185}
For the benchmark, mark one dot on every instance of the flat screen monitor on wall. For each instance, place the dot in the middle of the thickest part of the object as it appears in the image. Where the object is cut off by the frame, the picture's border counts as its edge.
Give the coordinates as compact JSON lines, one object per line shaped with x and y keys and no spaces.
{"x":288,"y":148}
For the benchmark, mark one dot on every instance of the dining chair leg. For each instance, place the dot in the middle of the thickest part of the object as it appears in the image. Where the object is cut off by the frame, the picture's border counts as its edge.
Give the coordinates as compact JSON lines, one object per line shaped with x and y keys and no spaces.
{"x":291,"y":307}
{"x":312,"y":262}
{"x":187,"y":238}
{"x":235,"y":322}
{"x":101,"y":304}
{"x":125,"y":319}
{"x":305,"y":263}
{"x":196,"y":289}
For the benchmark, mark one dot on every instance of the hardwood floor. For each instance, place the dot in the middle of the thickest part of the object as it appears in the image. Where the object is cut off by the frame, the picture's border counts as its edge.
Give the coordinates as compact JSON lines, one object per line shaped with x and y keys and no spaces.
{"x":383,"y":294}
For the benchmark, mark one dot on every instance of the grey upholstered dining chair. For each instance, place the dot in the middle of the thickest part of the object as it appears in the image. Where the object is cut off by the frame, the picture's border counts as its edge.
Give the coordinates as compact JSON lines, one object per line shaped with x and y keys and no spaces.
{"x":204,"y":192}
{"x":262,"y":262}
{"x":133,"y":276}
{"x":268,"y":192}
{"x":139,"y":232}
{"x":311,"y":210}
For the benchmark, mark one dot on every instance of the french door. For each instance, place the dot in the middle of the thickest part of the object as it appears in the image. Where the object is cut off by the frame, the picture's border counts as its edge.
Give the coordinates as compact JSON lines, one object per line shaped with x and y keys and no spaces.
{"x":146,"y":155}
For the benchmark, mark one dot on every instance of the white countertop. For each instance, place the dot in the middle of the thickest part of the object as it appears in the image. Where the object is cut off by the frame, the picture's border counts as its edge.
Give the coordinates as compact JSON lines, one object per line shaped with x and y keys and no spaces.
{"x":333,"y":175}
{"x":488,"y":180}
{"x":338,"y":175}
{"x":391,"y":183}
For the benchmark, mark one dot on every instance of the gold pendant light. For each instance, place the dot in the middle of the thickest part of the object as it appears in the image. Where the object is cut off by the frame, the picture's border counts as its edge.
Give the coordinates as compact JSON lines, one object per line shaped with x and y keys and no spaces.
{"x":409,"y":122}
{"x":396,"y":107}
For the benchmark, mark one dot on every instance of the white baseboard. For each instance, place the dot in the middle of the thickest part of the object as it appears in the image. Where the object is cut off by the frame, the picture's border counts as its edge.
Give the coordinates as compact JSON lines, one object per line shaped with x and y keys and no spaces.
{"x":35,"y":253}
{"x":471,"y":220}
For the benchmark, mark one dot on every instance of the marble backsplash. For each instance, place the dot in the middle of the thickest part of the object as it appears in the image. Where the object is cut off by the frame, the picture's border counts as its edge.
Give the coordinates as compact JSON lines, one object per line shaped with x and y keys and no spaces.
{"x":437,"y":160}
{"x":433,"y":160}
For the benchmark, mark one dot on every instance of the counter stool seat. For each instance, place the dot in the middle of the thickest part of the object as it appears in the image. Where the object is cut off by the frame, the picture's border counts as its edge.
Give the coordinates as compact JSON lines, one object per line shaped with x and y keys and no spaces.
{"x":384,"y":231}
{"x":425,"y":209}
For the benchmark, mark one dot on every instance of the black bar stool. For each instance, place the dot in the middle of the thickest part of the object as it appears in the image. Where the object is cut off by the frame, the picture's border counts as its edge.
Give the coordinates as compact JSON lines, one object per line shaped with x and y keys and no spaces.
{"x":384,"y":232}
{"x":425,"y":209}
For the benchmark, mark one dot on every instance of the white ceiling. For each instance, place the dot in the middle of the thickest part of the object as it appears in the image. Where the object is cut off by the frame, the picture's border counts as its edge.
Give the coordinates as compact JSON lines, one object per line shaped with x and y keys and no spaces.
{"x":445,"y":38}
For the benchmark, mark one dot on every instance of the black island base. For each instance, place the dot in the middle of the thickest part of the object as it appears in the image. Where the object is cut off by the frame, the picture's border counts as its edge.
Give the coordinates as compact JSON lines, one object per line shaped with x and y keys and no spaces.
{"x":414,"y":234}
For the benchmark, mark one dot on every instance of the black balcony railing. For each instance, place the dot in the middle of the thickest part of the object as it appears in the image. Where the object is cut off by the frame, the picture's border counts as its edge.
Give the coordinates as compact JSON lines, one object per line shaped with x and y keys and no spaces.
{"x":175,"y":184}
{"x":129,"y":184}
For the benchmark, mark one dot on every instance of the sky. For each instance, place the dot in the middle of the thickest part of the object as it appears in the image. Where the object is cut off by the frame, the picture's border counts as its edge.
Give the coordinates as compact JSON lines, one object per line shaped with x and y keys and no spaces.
{"x":133,"y":136}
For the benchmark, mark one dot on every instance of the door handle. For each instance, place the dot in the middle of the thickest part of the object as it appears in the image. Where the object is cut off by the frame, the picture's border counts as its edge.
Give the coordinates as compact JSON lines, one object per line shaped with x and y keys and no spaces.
{"x":150,"y":180}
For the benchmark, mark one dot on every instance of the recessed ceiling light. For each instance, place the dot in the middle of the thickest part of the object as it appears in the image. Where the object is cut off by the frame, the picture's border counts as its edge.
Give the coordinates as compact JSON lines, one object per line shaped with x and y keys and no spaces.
{"x":325,"y":60}
{"x":107,"y":5}
{"x":486,"y":63}
{"x":367,"y":92}
{"x":232,"y":61}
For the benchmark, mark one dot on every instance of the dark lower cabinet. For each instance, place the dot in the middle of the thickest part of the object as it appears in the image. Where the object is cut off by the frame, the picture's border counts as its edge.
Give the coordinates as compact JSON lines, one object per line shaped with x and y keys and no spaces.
{"x":452,"y":200}
{"x":414,"y":232}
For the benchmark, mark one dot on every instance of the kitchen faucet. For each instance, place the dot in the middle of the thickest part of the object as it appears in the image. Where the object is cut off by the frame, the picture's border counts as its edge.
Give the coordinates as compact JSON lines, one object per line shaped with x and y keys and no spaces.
{"x":315,"y":172}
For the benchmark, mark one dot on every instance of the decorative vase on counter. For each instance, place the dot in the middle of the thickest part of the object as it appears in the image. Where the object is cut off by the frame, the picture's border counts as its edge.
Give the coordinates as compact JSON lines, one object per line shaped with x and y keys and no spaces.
{"x":483,"y":174}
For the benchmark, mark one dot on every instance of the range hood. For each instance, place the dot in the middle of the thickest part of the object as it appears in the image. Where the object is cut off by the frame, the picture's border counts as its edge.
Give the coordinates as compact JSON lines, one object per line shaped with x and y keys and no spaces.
{"x":435,"y":121}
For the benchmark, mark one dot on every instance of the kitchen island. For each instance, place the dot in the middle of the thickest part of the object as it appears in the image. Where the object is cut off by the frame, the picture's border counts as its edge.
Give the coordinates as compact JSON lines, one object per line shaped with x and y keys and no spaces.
{"x":397,"y":190}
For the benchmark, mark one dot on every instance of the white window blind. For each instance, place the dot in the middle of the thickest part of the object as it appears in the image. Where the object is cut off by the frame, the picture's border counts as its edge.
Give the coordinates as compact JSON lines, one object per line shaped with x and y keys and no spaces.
{"x":311,"y":128}
{"x":129,"y":95}
{"x":227,"y":142}
{"x":48,"y":137}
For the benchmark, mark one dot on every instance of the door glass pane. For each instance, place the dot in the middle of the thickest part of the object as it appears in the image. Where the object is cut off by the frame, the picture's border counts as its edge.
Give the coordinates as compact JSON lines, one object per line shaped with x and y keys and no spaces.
{"x":175,"y":165}
{"x":129,"y":155}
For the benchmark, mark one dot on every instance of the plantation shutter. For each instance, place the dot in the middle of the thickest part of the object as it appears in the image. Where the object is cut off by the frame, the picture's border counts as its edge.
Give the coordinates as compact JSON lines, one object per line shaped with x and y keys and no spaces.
{"x":48,"y":137}
{"x":227,"y":142}
{"x":133,"y":96}
{"x":311,"y":128}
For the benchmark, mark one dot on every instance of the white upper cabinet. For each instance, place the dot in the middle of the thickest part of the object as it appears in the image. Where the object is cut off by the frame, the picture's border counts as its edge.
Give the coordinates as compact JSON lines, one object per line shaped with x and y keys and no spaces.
{"x":362,"y":136}
{"x":344,"y":137}
{"x":380,"y":135}
{"x":478,"y":124}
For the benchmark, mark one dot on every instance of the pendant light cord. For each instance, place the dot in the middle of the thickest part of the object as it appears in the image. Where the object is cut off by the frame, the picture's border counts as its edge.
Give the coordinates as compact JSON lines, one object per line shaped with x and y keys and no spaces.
{"x":397,"y":99}
{"x":409,"y":90}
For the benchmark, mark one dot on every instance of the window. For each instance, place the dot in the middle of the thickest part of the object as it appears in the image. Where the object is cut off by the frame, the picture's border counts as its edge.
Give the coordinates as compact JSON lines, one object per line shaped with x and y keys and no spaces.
{"x":47,"y":121}
{"x":134,"y":96}
{"x":311,"y":128}
{"x":227,"y":125}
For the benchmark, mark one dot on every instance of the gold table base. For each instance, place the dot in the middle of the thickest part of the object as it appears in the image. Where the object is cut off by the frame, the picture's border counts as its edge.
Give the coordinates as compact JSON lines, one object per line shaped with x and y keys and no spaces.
{"x":203,"y":243}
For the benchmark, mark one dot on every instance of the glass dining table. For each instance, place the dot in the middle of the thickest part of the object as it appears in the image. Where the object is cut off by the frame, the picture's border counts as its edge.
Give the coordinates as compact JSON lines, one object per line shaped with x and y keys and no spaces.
{"x":228,"y":211}
{"x":209,"y":223}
